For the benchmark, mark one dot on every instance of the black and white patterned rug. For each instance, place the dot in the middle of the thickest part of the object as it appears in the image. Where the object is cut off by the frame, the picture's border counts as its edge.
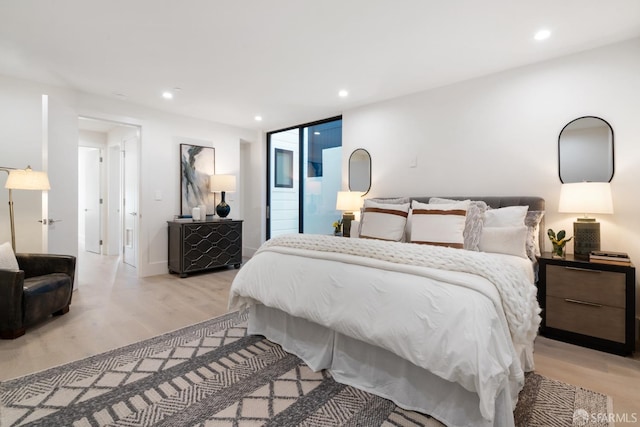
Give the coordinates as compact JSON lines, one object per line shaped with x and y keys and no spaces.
{"x":213,"y":374}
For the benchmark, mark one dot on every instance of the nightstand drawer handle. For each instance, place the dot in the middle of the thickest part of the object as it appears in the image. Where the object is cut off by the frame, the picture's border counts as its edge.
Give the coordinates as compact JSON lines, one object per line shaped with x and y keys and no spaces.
{"x":583,"y":269}
{"x":575,"y":301}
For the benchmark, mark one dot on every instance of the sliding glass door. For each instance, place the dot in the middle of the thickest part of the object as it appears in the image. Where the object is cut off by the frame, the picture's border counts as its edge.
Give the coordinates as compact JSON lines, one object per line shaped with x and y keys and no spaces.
{"x":304,"y":170}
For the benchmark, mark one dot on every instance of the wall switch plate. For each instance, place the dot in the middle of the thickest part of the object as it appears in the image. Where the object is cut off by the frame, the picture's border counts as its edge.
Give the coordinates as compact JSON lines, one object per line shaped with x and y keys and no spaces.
{"x":413,"y":163}
{"x":158,"y":195}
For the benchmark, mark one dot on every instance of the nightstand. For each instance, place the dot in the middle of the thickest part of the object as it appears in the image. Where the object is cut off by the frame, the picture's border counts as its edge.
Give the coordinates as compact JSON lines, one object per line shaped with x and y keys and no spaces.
{"x":588,"y":304}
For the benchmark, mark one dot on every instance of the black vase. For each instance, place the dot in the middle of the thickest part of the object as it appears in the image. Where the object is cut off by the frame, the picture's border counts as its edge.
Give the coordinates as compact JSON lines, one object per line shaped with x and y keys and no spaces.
{"x":223,"y":208}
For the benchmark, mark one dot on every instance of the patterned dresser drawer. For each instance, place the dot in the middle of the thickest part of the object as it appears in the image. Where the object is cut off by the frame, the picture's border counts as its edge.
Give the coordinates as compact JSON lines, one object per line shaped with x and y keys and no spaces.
{"x":203,"y":245}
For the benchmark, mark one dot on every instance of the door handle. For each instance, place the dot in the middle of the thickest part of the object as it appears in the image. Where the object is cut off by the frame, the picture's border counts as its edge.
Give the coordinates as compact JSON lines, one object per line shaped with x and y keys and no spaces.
{"x":133,"y":213}
{"x":49,"y":221}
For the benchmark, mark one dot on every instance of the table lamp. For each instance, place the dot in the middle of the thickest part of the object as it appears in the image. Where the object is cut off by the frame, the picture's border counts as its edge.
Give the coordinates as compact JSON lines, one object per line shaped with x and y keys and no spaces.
{"x":348,"y":202}
{"x":586,"y":198}
{"x":221,"y":184}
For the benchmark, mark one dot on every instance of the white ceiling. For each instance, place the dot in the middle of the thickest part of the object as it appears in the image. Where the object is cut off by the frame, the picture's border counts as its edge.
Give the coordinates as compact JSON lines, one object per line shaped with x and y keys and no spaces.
{"x":287,"y":59}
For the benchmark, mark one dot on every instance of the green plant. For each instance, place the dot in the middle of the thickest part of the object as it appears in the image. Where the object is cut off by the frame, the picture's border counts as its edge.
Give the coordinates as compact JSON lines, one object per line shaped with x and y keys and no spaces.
{"x":558,"y":241}
{"x":337,"y":225}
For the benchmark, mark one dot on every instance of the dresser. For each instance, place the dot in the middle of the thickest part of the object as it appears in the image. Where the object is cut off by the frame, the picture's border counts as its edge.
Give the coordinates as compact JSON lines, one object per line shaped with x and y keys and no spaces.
{"x":588,"y":304}
{"x":203,"y":245}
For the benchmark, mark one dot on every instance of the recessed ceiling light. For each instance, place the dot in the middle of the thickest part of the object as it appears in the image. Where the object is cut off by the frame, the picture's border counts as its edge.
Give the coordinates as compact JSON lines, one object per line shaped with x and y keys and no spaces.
{"x":167,"y":95}
{"x":343,"y":93}
{"x":119,"y":95}
{"x":316,"y":133}
{"x":542,"y":34}
{"x":258,"y":118}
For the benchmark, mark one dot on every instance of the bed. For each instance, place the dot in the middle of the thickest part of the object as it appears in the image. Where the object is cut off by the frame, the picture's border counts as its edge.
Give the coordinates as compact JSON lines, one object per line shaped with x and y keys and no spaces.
{"x":442,"y":331}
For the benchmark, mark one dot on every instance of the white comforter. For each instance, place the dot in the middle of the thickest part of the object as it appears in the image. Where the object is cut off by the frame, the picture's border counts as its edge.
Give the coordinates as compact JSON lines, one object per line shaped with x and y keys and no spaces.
{"x":449,"y":322}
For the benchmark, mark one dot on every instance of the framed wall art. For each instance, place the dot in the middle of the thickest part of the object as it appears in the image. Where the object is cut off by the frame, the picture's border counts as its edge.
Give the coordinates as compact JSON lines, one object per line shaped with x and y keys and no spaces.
{"x":197,"y":164}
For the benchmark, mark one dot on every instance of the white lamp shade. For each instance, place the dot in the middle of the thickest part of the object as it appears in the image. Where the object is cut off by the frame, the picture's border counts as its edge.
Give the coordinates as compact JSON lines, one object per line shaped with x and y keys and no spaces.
{"x":27,"y":179}
{"x":349,"y":201}
{"x":220,"y":183}
{"x":586,"y":198}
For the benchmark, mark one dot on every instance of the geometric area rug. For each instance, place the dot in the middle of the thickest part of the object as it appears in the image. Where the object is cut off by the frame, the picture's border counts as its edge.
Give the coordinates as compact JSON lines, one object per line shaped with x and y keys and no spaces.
{"x":214,"y":374}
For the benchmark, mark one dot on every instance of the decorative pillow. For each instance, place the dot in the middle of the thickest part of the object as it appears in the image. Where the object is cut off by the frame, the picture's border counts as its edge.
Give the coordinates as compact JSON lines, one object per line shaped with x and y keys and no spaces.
{"x":510,"y":216}
{"x":8,"y":259}
{"x":473,"y":223}
{"x":383,"y":221}
{"x":504,"y":240}
{"x":532,"y":221}
{"x":439,"y":224}
{"x":355,"y":229}
{"x":390,"y":201}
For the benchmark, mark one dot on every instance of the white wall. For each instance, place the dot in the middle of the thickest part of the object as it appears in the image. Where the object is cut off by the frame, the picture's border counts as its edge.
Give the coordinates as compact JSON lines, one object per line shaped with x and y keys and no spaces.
{"x":498,"y":135}
{"x":20,"y":140}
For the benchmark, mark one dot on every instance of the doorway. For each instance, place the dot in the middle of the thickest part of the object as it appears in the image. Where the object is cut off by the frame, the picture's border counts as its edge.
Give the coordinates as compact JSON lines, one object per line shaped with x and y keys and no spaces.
{"x":108,"y":188}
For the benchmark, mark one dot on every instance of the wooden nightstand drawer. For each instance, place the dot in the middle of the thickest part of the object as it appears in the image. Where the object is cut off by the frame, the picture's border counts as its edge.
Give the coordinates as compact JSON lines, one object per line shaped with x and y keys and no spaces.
{"x":585,"y":318}
{"x":594,"y":286}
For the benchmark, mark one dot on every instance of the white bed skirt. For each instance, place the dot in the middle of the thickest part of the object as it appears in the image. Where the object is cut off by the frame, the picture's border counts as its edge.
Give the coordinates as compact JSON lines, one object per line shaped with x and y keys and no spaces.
{"x":376,"y":370}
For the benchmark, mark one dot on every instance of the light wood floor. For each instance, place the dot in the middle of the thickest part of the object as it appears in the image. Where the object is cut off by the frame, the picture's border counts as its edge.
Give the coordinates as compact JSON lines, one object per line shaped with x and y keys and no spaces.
{"x":113,"y":308}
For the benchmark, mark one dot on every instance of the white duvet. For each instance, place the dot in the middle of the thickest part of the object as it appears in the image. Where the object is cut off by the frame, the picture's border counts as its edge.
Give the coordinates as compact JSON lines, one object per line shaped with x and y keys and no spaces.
{"x":449,"y":322}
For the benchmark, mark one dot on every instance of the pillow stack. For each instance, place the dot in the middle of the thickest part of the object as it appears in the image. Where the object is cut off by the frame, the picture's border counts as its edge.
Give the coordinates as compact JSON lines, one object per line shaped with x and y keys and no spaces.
{"x":470,"y":225}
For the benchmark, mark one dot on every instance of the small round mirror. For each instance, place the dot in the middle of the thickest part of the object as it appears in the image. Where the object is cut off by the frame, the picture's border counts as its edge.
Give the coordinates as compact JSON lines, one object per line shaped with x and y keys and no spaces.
{"x":360,"y":171}
{"x":585,"y":151}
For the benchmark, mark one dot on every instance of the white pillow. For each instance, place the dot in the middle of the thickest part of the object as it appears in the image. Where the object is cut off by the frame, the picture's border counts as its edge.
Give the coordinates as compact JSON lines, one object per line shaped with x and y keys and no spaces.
{"x":473,"y":224}
{"x":383,"y":221}
{"x":511,"y":216}
{"x":438,"y":224}
{"x":355,"y":229}
{"x":8,"y":259}
{"x":504,"y":240}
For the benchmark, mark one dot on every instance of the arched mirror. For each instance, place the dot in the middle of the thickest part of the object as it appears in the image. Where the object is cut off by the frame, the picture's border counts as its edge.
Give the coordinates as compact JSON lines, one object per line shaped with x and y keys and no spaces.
{"x":360,"y":171}
{"x":585,"y":151}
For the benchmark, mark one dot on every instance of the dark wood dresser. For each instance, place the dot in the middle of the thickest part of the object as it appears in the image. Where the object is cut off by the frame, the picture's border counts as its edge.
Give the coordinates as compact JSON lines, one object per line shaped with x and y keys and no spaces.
{"x":204,"y":245}
{"x":586,"y":303}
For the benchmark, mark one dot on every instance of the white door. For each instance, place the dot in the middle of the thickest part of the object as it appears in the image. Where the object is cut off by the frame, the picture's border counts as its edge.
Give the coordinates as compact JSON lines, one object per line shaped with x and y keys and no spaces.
{"x":130,"y":201}
{"x":92,"y":200}
{"x":60,"y":154}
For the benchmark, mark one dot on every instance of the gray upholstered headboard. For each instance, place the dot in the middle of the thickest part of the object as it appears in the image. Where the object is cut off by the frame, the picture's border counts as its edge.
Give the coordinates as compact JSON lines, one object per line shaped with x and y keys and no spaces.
{"x":535,"y":204}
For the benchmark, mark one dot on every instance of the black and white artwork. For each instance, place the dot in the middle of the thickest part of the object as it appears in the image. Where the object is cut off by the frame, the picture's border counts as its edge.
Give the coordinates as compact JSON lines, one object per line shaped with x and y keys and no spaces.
{"x":197,"y":164}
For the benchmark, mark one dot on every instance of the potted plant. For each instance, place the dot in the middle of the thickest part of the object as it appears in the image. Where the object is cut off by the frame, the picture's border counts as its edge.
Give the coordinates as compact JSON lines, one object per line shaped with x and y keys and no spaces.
{"x":337,"y":226}
{"x":558,"y":241}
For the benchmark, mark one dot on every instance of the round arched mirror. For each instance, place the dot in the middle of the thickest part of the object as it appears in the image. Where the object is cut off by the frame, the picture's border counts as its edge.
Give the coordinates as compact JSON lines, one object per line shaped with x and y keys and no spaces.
{"x":585,"y":151}
{"x":360,"y":171}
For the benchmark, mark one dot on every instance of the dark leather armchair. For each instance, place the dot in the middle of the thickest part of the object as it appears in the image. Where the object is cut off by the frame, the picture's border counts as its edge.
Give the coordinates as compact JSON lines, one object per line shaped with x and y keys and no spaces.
{"x":43,"y":286}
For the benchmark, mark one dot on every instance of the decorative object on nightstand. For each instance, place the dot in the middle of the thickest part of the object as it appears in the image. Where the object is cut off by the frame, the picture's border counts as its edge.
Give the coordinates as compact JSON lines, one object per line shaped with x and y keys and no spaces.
{"x":586,"y":198}
{"x":587,"y":303}
{"x":221,"y":184}
{"x":23,"y":179}
{"x":337,"y":227}
{"x":559,"y":242}
{"x":348,"y":202}
{"x":615,"y":258}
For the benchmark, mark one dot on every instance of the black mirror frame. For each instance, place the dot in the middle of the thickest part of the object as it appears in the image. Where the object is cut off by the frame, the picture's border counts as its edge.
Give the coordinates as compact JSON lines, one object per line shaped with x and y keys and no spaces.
{"x":369,"y":156}
{"x":613,"y":159}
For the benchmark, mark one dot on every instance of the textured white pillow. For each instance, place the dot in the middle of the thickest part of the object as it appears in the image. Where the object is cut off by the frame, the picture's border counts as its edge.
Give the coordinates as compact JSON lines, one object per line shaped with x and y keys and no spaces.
{"x":438,"y":224}
{"x":532,"y":221}
{"x":473,"y":224}
{"x":511,"y":216}
{"x":504,"y":240}
{"x":8,"y":259}
{"x":383,"y":221}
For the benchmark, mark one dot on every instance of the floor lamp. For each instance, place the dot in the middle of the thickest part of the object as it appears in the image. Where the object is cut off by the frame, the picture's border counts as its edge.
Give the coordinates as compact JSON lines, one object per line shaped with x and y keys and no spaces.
{"x":22,"y":179}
